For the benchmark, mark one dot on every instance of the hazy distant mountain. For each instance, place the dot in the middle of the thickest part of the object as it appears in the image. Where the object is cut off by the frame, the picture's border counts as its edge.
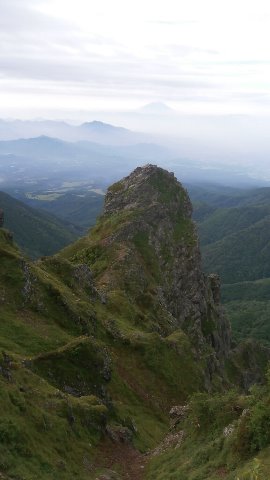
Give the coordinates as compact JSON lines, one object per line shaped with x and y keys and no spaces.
{"x":101,"y":127}
{"x":107,"y":134}
{"x":15,"y":129}
{"x":25,"y":162}
{"x":156,"y":108}
{"x":54,"y":161}
{"x":95,"y":131}
{"x":37,"y":146}
{"x":141,"y":151}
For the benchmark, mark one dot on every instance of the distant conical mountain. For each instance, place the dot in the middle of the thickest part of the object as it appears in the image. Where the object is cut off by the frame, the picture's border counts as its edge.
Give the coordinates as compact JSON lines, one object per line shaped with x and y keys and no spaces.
{"x":156,"y":108}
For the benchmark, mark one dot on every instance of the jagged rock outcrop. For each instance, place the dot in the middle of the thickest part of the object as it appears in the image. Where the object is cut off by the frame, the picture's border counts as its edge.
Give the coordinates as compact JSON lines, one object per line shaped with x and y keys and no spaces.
{"x":158,"y":256}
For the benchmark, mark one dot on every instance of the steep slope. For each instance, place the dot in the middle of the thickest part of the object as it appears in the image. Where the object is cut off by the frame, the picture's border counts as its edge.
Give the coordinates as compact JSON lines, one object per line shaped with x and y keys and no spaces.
{"x":217,"y":437}
{"x":101,"y":340}
{"x":241,"y":256}
{"x":36,"y":232}
{"x":150,"y":254}
{"x":100,"y":354}
{"x":222,"y":196}
{"x":38,"y":433}
{"x":234,"y":236}
{"x":77,"y":207}
{"x":224,"y":222}
{"x":248,"y":307}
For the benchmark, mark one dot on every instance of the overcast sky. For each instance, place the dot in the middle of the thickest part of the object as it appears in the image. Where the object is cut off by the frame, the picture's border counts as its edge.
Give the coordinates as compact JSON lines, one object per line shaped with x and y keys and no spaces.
{"x":198,"y":56}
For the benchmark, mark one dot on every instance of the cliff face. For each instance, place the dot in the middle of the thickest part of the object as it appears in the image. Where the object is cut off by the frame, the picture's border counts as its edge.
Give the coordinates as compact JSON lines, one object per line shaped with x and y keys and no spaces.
{"x":159,"y":228}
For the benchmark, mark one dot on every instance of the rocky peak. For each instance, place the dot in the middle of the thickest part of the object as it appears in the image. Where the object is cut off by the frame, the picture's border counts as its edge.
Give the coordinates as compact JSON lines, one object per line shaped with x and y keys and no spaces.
{"x":158,"y":257}
{"x":147,"y":187}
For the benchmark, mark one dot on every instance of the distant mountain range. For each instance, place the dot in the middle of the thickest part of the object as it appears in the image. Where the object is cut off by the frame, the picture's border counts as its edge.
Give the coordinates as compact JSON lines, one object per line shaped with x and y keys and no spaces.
{"x":105,"y":152}
{"x":91,"y":131}
{"x":48,"y":161}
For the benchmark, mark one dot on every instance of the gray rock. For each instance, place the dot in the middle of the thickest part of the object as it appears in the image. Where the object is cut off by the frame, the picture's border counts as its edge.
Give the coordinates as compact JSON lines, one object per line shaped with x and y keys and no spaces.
{"x":158,"y":212}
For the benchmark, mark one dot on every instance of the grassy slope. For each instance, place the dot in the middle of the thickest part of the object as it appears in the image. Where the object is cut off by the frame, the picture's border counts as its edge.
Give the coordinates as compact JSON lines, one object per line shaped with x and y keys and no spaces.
{"x":36,"y":435}
{"x":207,"y":453}
{"x":225,"y":221}
{"x":241,"y":256}
{"x":248,"y":306}
{"x":204,"y":454}
{"x":60,"y":340}
{"x":76,"y":207}
{"x":234,"y":234}
{"x":36,"y":232}
{"x":75,"y":363}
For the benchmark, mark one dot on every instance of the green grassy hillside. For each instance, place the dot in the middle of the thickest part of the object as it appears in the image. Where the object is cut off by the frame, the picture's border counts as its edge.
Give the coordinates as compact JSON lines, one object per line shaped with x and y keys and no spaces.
{"x":234,"y":235}
{"x":69,"y":373}
{"x":36,"y":232}
{"x":241,"y":256}
{"x":248,"y":307}
{"x":76,"y":206}
{"x":221,"y":436}
{"x":80,"y":366}
{"x":223,"y":222}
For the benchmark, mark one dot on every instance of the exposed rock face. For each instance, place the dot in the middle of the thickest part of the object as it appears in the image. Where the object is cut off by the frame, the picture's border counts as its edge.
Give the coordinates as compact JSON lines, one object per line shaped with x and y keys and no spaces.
{"x":158,"y":222}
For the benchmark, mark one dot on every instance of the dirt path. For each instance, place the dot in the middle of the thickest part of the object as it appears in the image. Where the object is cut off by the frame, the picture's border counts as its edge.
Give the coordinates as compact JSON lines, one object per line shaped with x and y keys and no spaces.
{"x":115,"y":455}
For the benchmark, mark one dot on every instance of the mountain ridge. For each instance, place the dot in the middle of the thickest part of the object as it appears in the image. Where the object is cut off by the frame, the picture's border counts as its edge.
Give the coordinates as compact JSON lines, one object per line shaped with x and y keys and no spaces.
{"x":100,"y":341}
{"x":91,"y":130}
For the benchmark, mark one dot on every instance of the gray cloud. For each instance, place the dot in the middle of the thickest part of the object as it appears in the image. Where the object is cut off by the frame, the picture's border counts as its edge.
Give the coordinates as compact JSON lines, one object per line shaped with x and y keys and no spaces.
{"x":173,"y":22}
{"x":184,"y":50}
{"x":37,"y":47}
{"x":94,"y":73}
{"x":44,"y":54}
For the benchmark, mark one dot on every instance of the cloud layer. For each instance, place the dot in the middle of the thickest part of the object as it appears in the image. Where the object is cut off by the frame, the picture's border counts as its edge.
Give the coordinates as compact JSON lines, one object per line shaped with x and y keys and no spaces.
{"x":201,"y":57}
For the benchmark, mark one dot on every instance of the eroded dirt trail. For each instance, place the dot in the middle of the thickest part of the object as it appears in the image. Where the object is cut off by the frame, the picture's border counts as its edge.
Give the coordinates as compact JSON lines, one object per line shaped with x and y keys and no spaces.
{"x":123,"y":459}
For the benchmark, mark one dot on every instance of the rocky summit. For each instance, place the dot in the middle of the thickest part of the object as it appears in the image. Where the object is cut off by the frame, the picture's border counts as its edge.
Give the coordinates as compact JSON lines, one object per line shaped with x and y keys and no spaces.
{"x":103,"y":340}
{"x":158,"y":255}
